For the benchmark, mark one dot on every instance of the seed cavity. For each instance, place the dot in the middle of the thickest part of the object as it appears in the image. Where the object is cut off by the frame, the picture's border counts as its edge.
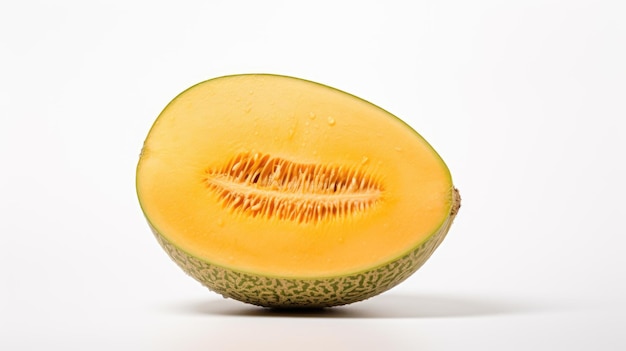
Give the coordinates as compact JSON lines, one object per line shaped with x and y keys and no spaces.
{"x":257,"y":184}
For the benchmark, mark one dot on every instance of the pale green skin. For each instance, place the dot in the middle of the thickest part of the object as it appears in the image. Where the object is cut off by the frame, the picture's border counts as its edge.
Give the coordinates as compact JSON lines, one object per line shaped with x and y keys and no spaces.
{"x":314,"y":292}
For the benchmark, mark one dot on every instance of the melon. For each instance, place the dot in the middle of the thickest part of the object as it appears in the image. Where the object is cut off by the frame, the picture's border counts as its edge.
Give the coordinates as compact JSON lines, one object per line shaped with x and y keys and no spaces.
{"x":282,"y":192}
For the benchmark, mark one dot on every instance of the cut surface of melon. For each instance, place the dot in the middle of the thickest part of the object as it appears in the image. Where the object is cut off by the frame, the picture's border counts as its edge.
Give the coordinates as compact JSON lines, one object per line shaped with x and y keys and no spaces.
{"x":280,"y":177}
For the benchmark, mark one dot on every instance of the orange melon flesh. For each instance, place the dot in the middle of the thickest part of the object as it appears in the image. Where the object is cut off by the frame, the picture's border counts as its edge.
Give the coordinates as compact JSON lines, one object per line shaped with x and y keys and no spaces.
{"x":192,"y":184}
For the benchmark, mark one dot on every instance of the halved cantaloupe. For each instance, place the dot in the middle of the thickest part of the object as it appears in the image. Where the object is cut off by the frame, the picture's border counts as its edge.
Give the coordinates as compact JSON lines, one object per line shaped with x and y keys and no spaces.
{"x":282,"y":192}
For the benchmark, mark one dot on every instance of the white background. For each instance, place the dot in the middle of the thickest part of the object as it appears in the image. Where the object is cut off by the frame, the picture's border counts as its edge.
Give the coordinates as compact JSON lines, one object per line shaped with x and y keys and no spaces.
{"x":525,"y":100}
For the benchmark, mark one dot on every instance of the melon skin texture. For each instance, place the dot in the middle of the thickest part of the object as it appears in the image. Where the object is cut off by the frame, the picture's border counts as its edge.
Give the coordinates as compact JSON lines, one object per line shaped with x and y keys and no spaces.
{"x":276,"y":292}
{"x":281,"y":192}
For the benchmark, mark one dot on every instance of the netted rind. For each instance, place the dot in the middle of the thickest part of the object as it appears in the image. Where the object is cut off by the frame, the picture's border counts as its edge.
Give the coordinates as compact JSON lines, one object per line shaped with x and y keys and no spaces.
{"x":304,"y":293}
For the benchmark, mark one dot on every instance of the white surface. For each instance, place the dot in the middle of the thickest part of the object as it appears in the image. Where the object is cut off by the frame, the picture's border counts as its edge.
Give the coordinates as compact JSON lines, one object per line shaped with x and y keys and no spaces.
{"x":525,"y":100}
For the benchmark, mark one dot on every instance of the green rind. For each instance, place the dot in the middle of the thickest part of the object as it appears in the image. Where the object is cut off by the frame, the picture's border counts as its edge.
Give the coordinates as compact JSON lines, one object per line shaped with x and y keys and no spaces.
{"x":308,"y":293}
